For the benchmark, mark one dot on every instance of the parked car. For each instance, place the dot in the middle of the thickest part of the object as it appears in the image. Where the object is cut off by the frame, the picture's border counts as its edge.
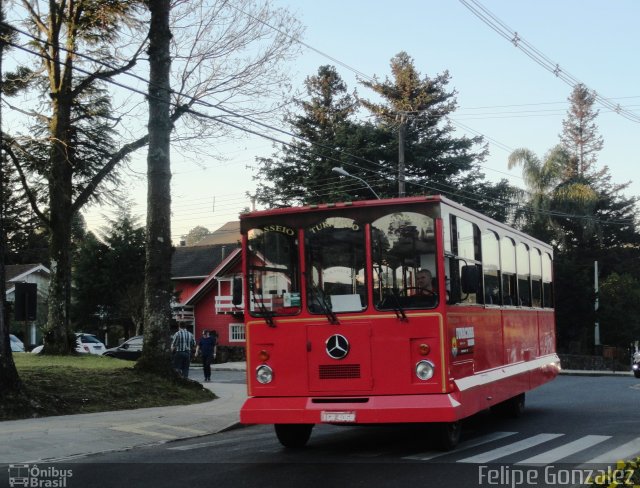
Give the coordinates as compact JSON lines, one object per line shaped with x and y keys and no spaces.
{"x":88,"y":343}
{"x":130,"y":349}
{"x":16,"y":344}
{"x":85,"y":344}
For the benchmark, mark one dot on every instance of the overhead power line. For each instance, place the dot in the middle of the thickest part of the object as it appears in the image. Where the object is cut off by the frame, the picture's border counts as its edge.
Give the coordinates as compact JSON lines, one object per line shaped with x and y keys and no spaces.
{"x":519,"y":42}
{"x":437,"y":187}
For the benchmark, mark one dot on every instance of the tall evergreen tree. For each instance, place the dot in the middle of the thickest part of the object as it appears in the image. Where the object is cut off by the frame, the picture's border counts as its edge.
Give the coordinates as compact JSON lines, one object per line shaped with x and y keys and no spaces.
{"x":26,"y":238}
{"x":576,"y":205}
{"x":70,"y":147}
{"x":10,"y":382}
{"x":580,"y":133}
{"x":326,"y":137}
{"x":92,"y":282}
{"x":108,"y":276}
{"x":417,"y":108}
{"x":586,"y":192}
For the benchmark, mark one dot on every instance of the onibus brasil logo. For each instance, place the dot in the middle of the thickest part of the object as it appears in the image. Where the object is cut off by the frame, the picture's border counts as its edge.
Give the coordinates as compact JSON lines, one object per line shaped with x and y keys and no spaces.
{"x":34,"y":476}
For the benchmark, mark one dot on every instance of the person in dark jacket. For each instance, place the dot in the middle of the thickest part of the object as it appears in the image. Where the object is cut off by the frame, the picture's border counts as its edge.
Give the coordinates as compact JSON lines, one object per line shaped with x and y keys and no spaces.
{"x":207,"y":346}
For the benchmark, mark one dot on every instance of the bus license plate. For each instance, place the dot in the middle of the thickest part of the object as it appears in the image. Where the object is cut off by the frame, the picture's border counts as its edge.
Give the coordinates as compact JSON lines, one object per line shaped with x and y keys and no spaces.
{"x":337,"y":416}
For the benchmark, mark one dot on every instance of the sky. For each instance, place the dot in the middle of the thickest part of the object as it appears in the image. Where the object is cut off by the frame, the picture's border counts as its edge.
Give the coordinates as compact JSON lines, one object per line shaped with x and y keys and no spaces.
{"x":502,"y":93}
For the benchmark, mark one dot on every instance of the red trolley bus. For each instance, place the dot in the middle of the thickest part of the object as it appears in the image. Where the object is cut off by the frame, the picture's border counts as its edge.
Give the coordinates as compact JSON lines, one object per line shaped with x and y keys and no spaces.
{"x":391,"y":311}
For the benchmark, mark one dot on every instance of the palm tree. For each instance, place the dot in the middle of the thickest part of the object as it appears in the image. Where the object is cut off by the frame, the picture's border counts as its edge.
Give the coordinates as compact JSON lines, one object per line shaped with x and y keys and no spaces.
{"x":555,"y":200}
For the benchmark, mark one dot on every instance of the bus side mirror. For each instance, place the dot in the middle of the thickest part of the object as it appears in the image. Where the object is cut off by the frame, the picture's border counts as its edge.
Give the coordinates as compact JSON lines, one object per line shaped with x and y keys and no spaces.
{"x":237,"y":292}
{"x":469,"y":279}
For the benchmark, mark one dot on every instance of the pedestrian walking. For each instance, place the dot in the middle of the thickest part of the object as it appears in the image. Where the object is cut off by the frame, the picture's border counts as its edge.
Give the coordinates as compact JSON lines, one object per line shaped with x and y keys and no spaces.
{"x":208,"y":346}
{"x":182,"y":345}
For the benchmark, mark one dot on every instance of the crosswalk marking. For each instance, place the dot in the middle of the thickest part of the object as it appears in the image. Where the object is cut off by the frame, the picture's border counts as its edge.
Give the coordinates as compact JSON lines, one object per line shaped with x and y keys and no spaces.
{"x":625,"y":451}
{"x":566,"y":450}
{"x":488,"y":456}
{"x":494,"y":436}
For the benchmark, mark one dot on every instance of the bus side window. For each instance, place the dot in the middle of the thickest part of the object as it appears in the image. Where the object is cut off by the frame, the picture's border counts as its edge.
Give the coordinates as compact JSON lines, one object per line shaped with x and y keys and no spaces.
{"x":466,"y":281}
{"x":508,"y":269}
{"x":470,"y":279}
{"x":491,"y":267}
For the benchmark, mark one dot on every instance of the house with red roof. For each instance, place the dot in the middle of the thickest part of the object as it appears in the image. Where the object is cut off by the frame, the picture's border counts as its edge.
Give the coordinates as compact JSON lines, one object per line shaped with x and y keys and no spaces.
{"x":203,"y":275}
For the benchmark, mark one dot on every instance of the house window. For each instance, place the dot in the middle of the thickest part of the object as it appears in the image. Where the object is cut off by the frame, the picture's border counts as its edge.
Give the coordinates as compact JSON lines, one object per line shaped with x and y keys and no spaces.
{"x":236,"y":333}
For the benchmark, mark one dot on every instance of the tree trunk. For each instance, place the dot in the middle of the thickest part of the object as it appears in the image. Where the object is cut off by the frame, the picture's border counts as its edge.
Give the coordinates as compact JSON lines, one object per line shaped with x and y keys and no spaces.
{"x":158,"y":288}
{"x":9,"y":378}
{"x":58,"y":338}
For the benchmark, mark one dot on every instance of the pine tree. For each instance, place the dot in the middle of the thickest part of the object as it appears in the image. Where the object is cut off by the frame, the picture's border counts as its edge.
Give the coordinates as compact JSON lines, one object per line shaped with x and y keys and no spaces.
{"x":10,"y":382}
{"x":580,"y":133}
{"x":108,"y":276}
{"x":326,"y":137}
{"x":417,"y":108}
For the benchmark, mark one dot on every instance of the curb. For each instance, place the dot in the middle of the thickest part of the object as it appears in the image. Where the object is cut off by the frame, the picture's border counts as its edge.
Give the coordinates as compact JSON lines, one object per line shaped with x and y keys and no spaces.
{"x":577,"y":372}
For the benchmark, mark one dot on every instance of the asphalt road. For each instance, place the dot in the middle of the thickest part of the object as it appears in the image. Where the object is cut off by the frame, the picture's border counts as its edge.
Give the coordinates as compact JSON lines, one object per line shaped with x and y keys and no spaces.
{"x":572,"y":424}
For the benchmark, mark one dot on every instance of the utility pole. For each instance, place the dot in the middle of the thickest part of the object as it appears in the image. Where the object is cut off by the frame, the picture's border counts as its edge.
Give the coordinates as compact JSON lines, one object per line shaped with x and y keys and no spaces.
{"x":402,"y":132}
{"x":596,"y":332}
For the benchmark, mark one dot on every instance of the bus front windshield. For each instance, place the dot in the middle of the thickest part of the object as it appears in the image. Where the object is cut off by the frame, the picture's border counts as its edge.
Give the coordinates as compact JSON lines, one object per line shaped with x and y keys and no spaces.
{"x":335,"y":249}
{"x":274,"y":285}
{"x":404,"y":261}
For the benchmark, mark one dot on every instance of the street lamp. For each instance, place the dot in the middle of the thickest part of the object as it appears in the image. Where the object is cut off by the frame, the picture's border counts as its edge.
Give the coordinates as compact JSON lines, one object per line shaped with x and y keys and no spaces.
{"x":344,"y":172}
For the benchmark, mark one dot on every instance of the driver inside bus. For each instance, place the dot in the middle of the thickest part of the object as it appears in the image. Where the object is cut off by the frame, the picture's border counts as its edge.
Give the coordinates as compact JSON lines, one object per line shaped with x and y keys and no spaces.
{"x":424,"y":283}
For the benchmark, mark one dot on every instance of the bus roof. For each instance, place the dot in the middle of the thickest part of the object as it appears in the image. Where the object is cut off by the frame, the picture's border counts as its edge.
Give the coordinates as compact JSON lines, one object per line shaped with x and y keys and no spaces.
{"x":246,"y":219}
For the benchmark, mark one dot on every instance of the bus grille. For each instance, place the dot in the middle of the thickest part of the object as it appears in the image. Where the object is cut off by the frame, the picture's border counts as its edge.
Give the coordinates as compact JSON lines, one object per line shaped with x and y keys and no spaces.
{"x":339,"y":371}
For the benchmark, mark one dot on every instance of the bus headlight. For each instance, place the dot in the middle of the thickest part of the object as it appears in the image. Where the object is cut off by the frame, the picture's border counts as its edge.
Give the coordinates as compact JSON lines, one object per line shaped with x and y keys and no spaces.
{"x":264,"y":374}
{"x":424,"y":370}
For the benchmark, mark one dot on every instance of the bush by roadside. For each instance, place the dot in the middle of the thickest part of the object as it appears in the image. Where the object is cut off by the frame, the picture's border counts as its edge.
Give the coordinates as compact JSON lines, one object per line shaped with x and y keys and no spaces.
{"x":592,"y":363}
{"x":55,"y":385}
{"x":626,"y":473}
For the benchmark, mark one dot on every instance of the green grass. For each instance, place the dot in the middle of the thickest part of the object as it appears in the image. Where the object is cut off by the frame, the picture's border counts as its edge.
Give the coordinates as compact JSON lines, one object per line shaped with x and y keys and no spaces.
{"x":55,"y":385}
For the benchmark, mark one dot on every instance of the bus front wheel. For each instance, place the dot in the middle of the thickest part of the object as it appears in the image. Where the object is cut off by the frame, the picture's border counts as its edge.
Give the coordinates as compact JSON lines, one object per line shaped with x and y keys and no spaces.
{"x":293,"y":435}
{"x":449,"y":435}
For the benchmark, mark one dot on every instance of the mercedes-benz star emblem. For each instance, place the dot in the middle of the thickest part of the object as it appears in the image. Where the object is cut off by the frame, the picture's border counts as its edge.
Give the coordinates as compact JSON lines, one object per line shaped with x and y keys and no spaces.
{"x":337,"y":346}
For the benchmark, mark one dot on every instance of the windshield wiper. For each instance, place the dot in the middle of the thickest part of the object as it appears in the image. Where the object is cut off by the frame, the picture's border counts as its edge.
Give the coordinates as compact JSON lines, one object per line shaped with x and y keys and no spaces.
{"x":320,"y":297}
{"x":267,"y":314}
{"x":397,"y":308}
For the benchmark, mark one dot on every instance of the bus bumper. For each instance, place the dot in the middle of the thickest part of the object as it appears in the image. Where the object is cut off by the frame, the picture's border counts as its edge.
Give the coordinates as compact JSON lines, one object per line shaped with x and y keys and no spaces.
{"x":360,"y":410}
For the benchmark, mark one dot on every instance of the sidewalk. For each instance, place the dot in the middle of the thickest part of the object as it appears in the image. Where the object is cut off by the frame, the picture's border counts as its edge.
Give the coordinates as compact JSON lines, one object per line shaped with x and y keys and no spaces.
{"x":54,"y":439}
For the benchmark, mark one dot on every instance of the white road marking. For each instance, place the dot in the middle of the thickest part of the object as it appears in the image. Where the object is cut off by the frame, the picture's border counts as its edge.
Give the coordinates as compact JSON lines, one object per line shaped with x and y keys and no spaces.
{"x":566,"y":450}
{"x":623,"y":452}
{"x":494,"y":436}
{"x":500,"y":452}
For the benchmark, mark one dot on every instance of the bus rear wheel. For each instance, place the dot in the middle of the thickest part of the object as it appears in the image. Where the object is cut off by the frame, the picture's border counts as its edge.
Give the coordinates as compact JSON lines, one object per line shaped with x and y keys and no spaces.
{"x":511,"y":408}
{"x":449,"y":435}
{"x":293,"y":435}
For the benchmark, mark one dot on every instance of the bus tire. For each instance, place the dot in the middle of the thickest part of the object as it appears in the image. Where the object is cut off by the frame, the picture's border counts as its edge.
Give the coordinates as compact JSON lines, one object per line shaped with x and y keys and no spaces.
{"x":449,"y":435}
{"x":511,"y":408}
{"x":293,"y":435}
{"x":636,"y":373}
